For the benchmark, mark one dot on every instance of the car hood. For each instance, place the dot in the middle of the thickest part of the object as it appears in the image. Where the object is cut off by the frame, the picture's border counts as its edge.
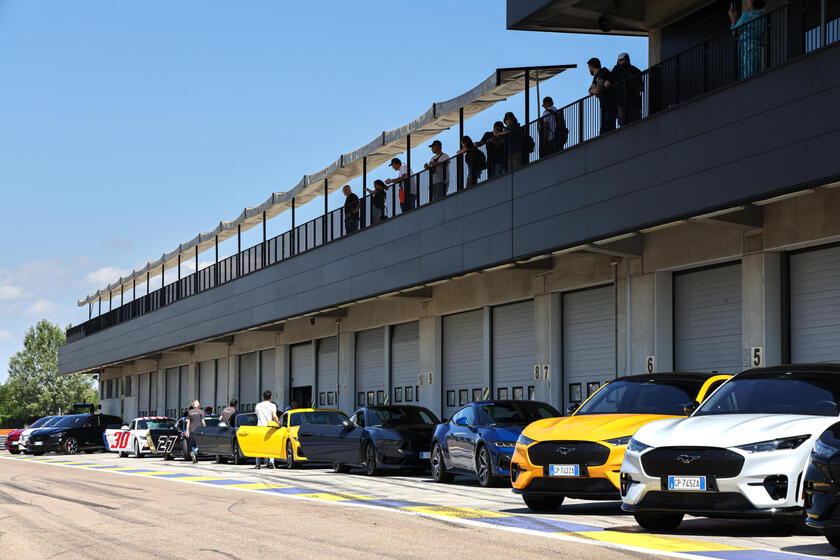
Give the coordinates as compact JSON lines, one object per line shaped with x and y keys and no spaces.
{"x":589,"y":427}
{"x":44,"y":433}
{"x":504,"y":433}
{"x":730,"y":430}
{"x":420,"y":431}
{"x":14,"y":433}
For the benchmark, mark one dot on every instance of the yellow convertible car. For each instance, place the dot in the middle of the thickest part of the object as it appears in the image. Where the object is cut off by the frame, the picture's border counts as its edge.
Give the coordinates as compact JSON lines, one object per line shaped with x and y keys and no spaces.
{"x":280,"y":441}
{"x":580,"y":456}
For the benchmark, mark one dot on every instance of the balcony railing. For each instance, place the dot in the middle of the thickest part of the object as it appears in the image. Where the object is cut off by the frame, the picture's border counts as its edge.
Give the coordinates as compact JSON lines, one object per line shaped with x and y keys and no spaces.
{"x":796,"y":29}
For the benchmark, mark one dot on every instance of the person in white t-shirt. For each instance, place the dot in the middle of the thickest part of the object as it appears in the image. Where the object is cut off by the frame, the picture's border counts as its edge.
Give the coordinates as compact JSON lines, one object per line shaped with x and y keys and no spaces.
{"x":551,"y":139}
{"x":408,"y":186}
{"x":266,"y":412}
{"x":440,"y":171}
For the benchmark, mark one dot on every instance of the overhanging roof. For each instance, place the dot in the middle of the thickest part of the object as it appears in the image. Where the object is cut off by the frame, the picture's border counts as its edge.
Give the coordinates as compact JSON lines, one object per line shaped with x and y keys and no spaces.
{"x":503,"y":83}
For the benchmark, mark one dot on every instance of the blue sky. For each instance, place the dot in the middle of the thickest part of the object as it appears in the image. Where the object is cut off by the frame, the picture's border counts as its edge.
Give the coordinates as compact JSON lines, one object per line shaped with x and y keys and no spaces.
{"x":129,"y":127}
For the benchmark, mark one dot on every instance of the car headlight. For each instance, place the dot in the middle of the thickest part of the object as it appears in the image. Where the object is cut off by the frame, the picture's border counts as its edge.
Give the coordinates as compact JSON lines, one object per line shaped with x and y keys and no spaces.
{"x":636,"y":446}
{"x":619,"y":441}
{"x":823,"y":450}
{"x":504,"y":444}
{"x":389,"y":441}
{"x":524,"y":441}
{"x":774,"y":444}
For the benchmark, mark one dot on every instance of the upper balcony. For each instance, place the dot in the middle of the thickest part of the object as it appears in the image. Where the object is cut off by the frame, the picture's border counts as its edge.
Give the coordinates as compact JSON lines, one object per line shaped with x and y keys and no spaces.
{"x":689,"y":143}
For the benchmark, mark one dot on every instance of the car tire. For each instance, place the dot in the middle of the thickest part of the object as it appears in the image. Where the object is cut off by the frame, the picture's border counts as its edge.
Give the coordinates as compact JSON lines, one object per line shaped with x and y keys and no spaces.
{"x":14,"y":451}
{"x":290,"y":455}
{"x":340,"y":468}
{"x":238,"y":459}
{"x":371,"y":467}
{"x":37,"y":453}
{"x":658,"y":521}
{"x":439,"y":472}
{"x":185,"y":449}
{"x":137,"y":453}
{"x":833,"y":537}
{"x":168,"y":457}
{"x":221,"y":460}
{"x":484,"y":468}
{"x":543,"y":504}
{"x":89,"y":451}
{"x":71,"y":446}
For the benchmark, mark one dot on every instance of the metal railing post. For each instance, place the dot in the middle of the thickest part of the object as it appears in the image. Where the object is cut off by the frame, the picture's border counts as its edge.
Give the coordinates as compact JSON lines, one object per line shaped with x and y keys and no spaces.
{"x":178,"y":282}
{"x":264,"y":247}
{"x":326,"y":212}
{"x":216,"y":271}
{"x":239,"y":250}
{"x":460,"y":165}
{"x":362,"y":213}
{"x":293,"y":240}
{"x":195,"y":276}
{"x":580,"y":120}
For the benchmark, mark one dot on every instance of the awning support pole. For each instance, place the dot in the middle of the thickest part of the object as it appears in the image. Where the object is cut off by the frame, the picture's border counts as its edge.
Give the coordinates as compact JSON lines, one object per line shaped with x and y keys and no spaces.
{"x":264,"y":250}
{"x":216,"y":279}
{"x":293,"y":247}
{"x":326,"y":212}
{"x":461,"y":157}
{"x":527,"y":97}
{"x":100,"y":307}
{"x":363,"y":216}
{"x":195,"y":276}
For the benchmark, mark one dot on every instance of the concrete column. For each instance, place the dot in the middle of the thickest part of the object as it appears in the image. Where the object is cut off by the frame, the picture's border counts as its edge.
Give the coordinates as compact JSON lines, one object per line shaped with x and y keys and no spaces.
{"x":314,"y":350}
{"x":282,"y":375}
{"x":347,"y":372}
{"x":160,"y":404}
{"x":543,"y":335}
{"x":555,"y":347}
{"x":431,"y":395}
{"x":192,"y":385}
{"x":663,"y":321}
{"x":761,"y":307}
{"x":233,"y":377}
{"x":388,"y":330}
{"x":487,"y":351}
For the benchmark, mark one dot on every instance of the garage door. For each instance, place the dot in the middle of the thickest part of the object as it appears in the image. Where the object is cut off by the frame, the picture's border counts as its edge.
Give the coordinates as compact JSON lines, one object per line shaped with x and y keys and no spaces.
{"x":207,"y":383}
{"x":327,"y":372}
{"x":463,"y":359}
{"x":171,"y":405}
{"x":707,"y":320}
{"x":405,"y":362}
{"x":143,"y":394}
{"x":588,"y":342}
{"x":815,"y":306}
{"x":370,"y":366}
{"x":267,"y":380}
{"x":154,"y":396}
{"x":222,"y":397}
{"x":185,"y":394}
{"x":513,"y":351}
{"x":303,"y":374}
{"x":247,"y":390}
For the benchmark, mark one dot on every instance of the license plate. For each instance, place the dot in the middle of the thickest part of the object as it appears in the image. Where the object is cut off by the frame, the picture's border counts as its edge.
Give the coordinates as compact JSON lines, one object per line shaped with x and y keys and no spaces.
{"x":39,"y":443}
{"x":425,"y":454}
{"x":564,"y":470}
{"x":695,"y":483}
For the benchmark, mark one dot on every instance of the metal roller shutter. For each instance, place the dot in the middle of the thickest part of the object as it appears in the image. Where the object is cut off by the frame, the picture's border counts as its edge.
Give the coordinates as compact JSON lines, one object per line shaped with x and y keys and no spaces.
{"x":513,"y":351}
{"x":154,"y":397}
{"x":266,"y":374}
{"x":327,"y":372}
{"x":370,"y":366}
{"x":303,"y":372}
{"x":207,"y":383}
{"x":247,"y":391}
{"x":171,"y":405}
{"x":463,"y":358}
{"x":707,"y":320}
{"x":222,"y":397}
{"x":143,"y":394}
{"x":405,"y":362}
{"x":588,"y":342}
{"x":815,"y":306}
{"x":185,"y":394}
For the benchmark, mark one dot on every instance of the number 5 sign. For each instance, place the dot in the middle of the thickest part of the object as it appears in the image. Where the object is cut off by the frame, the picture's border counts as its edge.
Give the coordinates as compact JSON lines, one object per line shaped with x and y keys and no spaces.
{"x":757,"y":356}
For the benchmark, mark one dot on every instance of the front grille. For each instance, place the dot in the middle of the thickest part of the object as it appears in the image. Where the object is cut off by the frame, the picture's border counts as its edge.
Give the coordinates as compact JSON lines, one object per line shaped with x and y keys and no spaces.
{"x":584,"y":453}
{"x":415,"y":446}
{"x":708,"y":461}
{"x":504,"y":462}
{"x":574,"y":486}
{"x":696,"y":501}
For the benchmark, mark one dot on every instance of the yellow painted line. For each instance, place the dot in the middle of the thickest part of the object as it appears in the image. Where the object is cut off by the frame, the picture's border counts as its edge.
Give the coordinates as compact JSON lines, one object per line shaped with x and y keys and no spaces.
{"x":119,"y":469}
{"x":254,"y":486}
{"x":199,"y":478}
{"x":656,"y":542}
{"x":76,"y":463}
{"x":156,"y":473}
{"x":330,"y":497}
{"x":457,"y":512}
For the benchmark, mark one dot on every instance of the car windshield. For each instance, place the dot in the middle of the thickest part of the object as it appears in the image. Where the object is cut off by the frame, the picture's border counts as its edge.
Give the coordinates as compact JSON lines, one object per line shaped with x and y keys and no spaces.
{"x":212,"y":421}
{"x":401,"y":416}
{"x":645,"y":396}
{"x":42,"y":422}
{"x":246,"y":419}
{"x":517,"y":414}
{"x":318,"y":417}
{"x":155,"y":424}
{"x":73,"y":421}
{"x":812,"y":394}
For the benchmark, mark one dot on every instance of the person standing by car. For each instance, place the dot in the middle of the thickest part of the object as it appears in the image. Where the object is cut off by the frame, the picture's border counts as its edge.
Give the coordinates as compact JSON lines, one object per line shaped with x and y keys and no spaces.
{"x":195,"y":420}
{"x":266,"y":412}
{"x":228,"y":412}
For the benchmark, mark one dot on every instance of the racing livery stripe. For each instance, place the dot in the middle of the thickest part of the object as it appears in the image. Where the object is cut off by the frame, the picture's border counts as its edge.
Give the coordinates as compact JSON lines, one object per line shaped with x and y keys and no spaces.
{"x":643,"y":542}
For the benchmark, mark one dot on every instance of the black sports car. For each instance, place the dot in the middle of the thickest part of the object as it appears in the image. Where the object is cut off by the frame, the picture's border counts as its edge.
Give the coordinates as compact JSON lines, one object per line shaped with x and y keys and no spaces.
{"x":171,"y":442}
{"x":374,"y":438}
{"x":73,"y":433}
{"x":220,"y":440}
{"x":822,"y":485}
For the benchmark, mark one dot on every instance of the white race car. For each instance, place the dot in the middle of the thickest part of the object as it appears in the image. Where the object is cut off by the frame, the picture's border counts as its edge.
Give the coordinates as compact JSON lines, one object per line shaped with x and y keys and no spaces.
{"x":133,"y":438}
{"x":740,"y":454}
{"x":39,"y":424}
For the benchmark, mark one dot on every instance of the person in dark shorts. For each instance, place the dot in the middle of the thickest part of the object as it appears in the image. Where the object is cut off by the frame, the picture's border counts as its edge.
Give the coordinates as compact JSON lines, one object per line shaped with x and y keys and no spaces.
{"x":195,"y":421}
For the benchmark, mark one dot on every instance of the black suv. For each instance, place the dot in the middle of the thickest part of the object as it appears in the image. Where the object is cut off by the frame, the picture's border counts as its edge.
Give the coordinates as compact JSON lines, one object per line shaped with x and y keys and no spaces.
{"x":73,"y":433}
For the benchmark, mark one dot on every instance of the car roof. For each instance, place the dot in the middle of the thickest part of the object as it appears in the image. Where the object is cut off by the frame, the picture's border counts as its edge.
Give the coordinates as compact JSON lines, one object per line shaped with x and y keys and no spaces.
{"x":153,"y":418}
{"x":390,"y":406}
{"x":794,"y":369}
{"x":312,"y":410}
{"x":509,"y":401}
{"x":672,"y":376}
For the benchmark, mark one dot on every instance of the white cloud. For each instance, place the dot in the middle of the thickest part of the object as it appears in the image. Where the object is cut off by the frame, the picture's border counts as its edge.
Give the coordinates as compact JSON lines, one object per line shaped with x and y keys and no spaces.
{"x":41,"y":308}
{"x":9,"y":292}
{"x":105,"y":275}
{"x":5,"y":335}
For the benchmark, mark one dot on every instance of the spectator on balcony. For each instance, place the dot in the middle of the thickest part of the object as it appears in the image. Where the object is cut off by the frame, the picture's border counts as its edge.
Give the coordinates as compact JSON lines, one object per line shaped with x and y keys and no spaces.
{"x":408,"y":186}
{"x":519,"y":143}
{"x":553,"y":131}
{"x":438,"y":167}
{"x":749,"y":29}
{"x":601,"y":88}
{"x":474,"y":158}
{"x":496,"y":149}
{"x":377,"y":201}
{"x":351,"y":210}
{"x":629,"y":85}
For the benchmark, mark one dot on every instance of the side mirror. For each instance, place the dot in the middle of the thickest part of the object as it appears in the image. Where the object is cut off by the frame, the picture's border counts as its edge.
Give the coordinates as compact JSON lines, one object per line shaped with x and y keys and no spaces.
{"x":461,"y":422}
{"x":690,"y":408}
{"x":347,"y":424}
{"x":124,"y":428}
{"x":572,"y":408}
{"x":273,"y":424}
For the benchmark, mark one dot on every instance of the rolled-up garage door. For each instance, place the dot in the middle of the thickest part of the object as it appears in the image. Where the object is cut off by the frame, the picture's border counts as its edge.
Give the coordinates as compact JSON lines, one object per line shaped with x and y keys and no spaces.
{"x":815,"y":306}
{"x":707,"y":320}
{"x":370,"y":367}
{"x":222,"y":396}
{"x":405,"y":362}
{"x":247,"y":393}
{"x":143,"y":394}
{"x":327,"y":372}
{"x":463,"y":359}
{"x":303,"y":374}
{"x":207,"y":383}
{"x":267,"y":380}
{"x":171,"y":405}
{"x":513,"y":351}
{"x":154,"y":397}
{"x":588,"y":342}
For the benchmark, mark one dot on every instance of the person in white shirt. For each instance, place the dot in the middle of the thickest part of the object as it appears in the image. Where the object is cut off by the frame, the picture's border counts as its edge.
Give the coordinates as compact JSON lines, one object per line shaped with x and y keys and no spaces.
{"x":552,"y":128}
{"x":266,"y":412}
{"x":439,"y":170}
{"x":408,"y":186}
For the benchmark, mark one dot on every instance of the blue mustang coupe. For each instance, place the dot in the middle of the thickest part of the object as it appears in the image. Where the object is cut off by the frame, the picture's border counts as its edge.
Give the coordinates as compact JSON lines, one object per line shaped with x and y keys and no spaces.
{"x":480,"y":437}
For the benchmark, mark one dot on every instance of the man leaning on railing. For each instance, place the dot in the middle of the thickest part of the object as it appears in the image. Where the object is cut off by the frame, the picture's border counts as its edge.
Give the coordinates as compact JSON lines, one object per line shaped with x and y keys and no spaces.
{"x":408,"y":191}
{"x":439,"y":170}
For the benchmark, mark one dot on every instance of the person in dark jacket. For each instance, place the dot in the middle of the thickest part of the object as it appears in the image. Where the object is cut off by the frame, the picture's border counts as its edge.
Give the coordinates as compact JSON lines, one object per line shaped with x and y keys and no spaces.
{"x":496,"y":144}
{"x":351,"y":210}
{"x":629,"y":85}
{"x":515,"y":135}
{"x":601,"y":87}
{"x":474,"y":158}
{"x":377,"y":201}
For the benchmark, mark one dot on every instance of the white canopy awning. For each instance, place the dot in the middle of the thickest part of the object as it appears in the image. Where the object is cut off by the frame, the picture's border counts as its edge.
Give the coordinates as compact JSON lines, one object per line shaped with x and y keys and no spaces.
{"x":504,"y":83}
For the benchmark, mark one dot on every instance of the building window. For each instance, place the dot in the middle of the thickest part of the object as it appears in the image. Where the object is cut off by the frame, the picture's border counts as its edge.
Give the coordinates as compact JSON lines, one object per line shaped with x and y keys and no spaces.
{"x":109,"y":390}
{"x":101,"y":389}
{"x":463,"y":397}
{"x":361,"y":401}
{"x":574,"y":392}
{"x":518,"y":395}
{"x":476,"y":395}
{"x":128,"y":386}
{"x":409,"y":394}
{"x":417,"y":393}
{"x":330,"y":398}
{"x":531,"y":392}
{"x":370,"y":400}
{"x":122,"y":386}
{"x":591,"y":388}
{"x":322,"y":398}
{"x":397,"y":394}
{"x":380,"y":397}
{"x":502,"y":393}
{"x":450,"y":398}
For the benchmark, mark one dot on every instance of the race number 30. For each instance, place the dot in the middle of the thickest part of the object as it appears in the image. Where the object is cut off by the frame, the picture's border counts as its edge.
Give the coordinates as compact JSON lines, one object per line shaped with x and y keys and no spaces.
{"x":121,"y":440}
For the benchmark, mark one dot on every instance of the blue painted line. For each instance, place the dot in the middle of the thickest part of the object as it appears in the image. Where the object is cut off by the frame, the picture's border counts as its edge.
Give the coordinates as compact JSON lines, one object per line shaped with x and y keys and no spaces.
{"x":223,"y":481}
{"x":289,"y":490}
{"x":392,"y":503}
{"x":750,"y":555}
{"x":538,"y":524}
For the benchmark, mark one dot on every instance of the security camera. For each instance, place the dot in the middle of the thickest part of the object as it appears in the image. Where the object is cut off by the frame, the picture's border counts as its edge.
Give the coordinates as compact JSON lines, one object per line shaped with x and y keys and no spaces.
{"x":605,"y":23}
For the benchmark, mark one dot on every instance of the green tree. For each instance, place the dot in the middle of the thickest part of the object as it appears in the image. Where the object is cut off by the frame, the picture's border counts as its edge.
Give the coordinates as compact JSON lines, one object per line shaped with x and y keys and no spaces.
{"x":34,"y":387}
